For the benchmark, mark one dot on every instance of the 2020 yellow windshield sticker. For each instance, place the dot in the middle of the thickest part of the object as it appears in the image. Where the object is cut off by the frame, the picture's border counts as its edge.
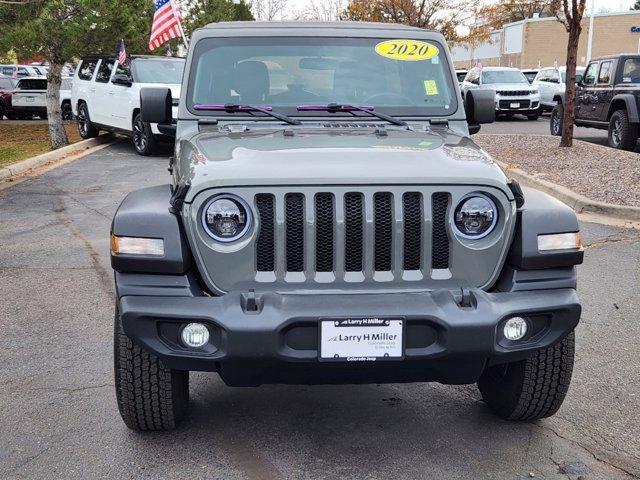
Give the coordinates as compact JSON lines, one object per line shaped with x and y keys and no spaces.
{"x":407,"y":50}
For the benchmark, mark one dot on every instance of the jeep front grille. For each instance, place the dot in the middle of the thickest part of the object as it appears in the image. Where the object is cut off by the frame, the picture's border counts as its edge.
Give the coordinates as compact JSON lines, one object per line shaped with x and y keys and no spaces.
{"x":406,"y":237}
{"x":363,"y":238}
{"x":513,"y":93}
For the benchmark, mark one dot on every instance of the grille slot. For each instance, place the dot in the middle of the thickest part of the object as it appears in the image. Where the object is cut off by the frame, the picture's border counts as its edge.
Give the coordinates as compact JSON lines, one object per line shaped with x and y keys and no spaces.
{"x":324,"y":232}
{"x":440,"y":239}
{"x":294,"y":237}
{"x":354,"y":237}
{"x":412,"y":211}
{"x":265,"y":245}
{"x":383,"y":230}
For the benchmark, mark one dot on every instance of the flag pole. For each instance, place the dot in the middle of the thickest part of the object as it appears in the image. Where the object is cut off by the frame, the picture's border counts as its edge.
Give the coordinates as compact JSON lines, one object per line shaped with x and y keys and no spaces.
{"x":179,"y":19}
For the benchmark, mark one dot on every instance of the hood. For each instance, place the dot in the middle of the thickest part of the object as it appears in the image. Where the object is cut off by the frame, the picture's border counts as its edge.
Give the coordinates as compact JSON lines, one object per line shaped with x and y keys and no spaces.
{"x":333,"y":156}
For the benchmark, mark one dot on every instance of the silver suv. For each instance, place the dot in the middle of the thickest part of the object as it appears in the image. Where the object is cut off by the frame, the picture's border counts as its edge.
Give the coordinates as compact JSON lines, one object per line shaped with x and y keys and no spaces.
{"x":329,"y":220}
{"x":513,"y":93}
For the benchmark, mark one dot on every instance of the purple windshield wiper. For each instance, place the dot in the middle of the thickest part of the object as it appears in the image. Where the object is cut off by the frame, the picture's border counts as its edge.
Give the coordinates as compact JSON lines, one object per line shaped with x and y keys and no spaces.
{"x":238,"y":107}
{"x":347,"y":107}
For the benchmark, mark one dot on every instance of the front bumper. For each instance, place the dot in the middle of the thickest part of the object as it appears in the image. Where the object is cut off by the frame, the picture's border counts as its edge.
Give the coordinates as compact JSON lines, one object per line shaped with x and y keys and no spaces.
{"x":278,"y":342}
{"x":525,"y":105}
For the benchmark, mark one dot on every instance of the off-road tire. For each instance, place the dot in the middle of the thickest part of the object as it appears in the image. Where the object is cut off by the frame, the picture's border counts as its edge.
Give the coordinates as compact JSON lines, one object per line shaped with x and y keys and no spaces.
{"x":67,"y":112}
{"x":533,"y":388}
{"x":2,"y":113}
{"x":143,"y":140}
{"x":85,"y":127}
{"x":151,"y":397}
{"x":623,"y":134}
{"x":557,"y":120}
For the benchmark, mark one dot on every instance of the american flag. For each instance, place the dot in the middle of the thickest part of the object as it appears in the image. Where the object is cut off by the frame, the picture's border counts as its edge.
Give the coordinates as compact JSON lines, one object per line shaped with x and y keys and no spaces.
{"x":166,"y":23}
{"x":122,"y":54}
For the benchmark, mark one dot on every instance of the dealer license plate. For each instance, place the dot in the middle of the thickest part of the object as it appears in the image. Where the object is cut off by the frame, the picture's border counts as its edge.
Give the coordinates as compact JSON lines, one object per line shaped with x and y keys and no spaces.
{"x":515,"y":105}
{"x":361,"y":339}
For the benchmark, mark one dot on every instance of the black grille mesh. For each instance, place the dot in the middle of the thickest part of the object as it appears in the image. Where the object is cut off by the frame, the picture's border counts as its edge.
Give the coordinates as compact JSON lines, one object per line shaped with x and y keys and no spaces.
{"x":440,"y":240}
{"x":265,"y":246}
{"x":294,"y":224}
{"x":324,"y":232}
{"x":353,"y":228}
{"x":412,"y":210}
{"x":383,"y":230}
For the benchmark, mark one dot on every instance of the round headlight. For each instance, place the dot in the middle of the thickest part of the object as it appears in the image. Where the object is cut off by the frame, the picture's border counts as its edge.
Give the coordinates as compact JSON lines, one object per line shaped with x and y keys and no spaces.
{"x":226,"y":218}
{"x":475,"y":216}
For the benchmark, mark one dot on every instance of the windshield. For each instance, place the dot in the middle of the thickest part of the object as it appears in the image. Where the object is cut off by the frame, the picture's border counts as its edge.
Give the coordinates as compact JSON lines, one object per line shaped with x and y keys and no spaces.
{"x":166,"y":70}
{"x":32,"y":84}
{"x":285,"y":72}
{"x":504,"y":76}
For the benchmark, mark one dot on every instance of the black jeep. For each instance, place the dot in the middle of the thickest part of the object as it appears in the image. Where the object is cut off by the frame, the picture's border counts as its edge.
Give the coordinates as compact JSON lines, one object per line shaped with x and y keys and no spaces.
{"x":607,"y":98}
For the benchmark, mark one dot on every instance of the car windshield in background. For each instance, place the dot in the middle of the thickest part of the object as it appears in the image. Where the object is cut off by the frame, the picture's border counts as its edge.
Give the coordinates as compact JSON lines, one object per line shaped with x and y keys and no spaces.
{"x":408,"y":77}
{"x":32,"y":84}
{"x":165,"y":70}
{"x":503,"y":76}
{"x":579,"y":74}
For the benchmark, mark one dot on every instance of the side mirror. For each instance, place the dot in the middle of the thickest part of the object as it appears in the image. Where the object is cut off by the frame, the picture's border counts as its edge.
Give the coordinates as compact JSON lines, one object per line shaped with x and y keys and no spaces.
{"x":155,"y":105}
{"x":479,"y":106}
{"x":122,"y":79}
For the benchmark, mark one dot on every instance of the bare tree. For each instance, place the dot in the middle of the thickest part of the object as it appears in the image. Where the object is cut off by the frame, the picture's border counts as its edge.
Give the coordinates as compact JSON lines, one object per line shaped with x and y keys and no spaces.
{"x":570,"y":15}
{"x":323,"y":10}
{"x":268,"y":10}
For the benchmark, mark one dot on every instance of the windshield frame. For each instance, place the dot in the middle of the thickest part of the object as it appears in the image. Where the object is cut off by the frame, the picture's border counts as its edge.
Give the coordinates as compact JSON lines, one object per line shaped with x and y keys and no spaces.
{"x":422,"y":112}
{"x":526,"y":80}
{"x":137,"y":60}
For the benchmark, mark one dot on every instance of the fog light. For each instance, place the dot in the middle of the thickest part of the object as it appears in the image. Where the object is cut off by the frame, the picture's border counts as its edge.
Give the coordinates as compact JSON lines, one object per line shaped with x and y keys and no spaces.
{"x":515,"y":328}
{"x":195,"y":335}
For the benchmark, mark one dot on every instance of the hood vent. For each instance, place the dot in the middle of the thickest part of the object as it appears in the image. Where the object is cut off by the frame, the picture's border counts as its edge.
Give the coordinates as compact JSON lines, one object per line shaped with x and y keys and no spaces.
{"x":349,"y":125}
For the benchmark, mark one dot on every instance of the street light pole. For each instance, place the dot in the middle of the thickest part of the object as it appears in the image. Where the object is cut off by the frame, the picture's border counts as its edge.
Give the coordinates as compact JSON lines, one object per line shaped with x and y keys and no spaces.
{"x":590,"y":40}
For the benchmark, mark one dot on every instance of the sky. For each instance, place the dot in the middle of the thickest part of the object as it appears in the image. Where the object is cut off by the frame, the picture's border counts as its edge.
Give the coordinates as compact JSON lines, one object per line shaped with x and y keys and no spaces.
{"x":614,"y":5}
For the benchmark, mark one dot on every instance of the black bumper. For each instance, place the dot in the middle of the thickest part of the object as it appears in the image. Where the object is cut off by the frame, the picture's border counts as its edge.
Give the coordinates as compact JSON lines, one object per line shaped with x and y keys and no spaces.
{"x":278,"y":343}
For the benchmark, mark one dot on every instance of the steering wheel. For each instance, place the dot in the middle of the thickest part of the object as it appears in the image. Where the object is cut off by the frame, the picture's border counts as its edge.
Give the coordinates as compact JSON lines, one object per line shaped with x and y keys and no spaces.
{"x":389,"y":98}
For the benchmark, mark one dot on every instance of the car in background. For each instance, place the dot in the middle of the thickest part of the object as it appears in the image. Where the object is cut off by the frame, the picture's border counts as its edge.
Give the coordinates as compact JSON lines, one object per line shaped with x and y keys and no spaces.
{"x":7,"y":86}
{"x":513,"y":93}
{"x":530,"y":74}
{"x":461,"y":73}
{"x":551,"y":81}
{"x":607,"y":98}
{"x":29,"y":99}
{"x":106,"y":95}
{"x":20,"y":71}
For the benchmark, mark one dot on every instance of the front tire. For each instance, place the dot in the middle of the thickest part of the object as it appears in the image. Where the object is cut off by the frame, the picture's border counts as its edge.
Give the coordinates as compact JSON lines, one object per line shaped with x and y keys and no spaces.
{"x":143,"y":140}
{"x":67,"y":113}
{"x":623,"y":134}
{"x":533,"y":388}
{"x":534,"y":116}
{"x":85,"y":127}
{"x":557,"y":120}
{"x":151,"y":397}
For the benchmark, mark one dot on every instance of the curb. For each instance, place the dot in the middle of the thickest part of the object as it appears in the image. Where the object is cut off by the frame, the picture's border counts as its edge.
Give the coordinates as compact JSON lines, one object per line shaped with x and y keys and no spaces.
{"x":579,"y":203}
{"x":27,"y":166}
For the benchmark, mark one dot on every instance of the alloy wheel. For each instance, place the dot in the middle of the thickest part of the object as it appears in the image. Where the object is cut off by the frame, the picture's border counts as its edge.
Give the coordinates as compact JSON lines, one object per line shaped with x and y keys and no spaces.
{"x":556,"y":123}
{"x":139,"y":135}
{"x":616,"y":133}
{"x":83,"y":123}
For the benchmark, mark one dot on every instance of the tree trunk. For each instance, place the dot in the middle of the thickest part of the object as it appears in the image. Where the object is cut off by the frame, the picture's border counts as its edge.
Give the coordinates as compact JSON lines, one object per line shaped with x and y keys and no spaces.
{"x":57,"y":133}
{"x":570,"y":92}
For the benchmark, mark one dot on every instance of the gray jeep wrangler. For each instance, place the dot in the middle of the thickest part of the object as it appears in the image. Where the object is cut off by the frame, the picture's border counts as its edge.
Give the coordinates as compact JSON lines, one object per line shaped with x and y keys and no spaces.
{"x":330,"y":221}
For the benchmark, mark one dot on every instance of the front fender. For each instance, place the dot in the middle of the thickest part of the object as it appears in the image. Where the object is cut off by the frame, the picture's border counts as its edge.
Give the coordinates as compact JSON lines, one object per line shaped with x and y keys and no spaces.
{"x":146,"y":213}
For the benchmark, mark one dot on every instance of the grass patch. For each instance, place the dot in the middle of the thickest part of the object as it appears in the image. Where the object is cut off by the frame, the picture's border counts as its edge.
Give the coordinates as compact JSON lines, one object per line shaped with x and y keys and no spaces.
{"x":19,"y":142}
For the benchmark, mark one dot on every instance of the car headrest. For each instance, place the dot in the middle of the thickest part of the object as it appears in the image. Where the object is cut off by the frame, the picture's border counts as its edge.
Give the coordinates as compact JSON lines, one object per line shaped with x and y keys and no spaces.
{"x":251,"y":81}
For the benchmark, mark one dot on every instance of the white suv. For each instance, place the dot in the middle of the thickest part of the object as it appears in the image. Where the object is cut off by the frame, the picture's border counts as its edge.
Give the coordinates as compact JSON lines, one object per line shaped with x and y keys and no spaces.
{"x":106,"y":95}
{"x":513,"y":93}
{"x":552,"y":80}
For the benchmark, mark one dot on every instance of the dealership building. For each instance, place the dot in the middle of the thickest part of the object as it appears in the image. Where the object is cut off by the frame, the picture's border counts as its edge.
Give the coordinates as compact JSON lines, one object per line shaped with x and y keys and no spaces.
{"x":540,"y":42}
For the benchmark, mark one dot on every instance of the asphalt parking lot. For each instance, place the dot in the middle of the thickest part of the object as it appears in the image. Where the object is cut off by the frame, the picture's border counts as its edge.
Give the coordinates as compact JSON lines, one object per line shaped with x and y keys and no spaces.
{"x":58,"y":411}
